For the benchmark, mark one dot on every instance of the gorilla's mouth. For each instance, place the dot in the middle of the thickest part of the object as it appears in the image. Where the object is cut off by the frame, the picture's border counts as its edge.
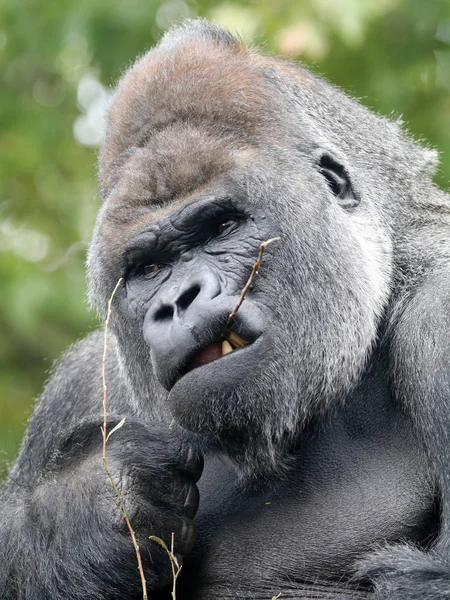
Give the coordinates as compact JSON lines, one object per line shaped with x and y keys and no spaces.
{"x":203,"y":345}
{"x":231,"y":341}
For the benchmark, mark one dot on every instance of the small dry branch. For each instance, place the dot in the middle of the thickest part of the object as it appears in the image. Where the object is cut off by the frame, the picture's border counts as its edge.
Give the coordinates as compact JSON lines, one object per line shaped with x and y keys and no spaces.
{"x":251,"y":279}
{"x":176,"y":567}
{"x":106,"y":437}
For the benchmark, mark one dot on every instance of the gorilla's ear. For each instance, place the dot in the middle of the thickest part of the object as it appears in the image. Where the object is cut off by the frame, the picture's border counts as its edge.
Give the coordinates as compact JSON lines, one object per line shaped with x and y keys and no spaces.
{"x":338,"y":180}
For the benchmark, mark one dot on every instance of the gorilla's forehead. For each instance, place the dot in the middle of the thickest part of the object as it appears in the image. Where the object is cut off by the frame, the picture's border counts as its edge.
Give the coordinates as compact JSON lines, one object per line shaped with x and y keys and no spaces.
{"x":173,"y":163}
{"x":198,"y":88}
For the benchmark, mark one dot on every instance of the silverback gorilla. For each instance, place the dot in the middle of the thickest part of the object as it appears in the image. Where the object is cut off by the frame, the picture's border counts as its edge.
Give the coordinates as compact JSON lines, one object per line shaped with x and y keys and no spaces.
{"x":314,"y":460}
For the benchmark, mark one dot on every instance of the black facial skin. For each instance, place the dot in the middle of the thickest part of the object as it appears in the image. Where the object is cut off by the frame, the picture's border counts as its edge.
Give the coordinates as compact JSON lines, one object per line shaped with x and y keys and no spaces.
{"x":312,"y":461}
{"x":187,"y":300}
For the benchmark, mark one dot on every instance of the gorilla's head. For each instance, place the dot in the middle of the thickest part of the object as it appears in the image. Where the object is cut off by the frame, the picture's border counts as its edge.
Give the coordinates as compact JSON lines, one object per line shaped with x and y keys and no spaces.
{"x":210,"y":149}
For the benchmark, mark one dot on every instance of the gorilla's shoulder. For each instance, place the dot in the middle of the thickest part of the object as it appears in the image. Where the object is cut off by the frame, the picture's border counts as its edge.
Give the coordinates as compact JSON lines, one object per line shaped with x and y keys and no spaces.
{"x":77,"y":375}
{"x":72,"y":396}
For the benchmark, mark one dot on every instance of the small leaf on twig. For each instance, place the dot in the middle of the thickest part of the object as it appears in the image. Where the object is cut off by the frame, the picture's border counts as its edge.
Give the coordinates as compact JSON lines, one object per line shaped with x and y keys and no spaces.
{"x":118,"y":426}
{"x":160,"y":542}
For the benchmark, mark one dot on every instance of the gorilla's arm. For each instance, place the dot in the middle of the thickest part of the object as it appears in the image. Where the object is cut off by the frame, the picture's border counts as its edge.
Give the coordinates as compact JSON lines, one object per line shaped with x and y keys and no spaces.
{"x":420,"y":375}
{"x":60,"y":527}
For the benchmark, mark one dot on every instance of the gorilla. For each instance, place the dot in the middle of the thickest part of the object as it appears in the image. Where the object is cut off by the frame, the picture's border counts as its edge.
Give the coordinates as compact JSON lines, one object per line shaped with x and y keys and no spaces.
{"x":299,"y":450}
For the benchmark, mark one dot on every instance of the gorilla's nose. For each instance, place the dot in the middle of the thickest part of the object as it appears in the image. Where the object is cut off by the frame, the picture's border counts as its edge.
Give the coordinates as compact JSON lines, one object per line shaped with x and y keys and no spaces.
{"x":190,"y":293}
{"x":185,"y":317}
{"x":169,"y":308}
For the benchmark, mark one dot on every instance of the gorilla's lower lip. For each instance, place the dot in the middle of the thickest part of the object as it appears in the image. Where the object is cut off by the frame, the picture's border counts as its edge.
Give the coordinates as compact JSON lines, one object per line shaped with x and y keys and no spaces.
{"x":217,"y":379}
{"x":230,"y":344}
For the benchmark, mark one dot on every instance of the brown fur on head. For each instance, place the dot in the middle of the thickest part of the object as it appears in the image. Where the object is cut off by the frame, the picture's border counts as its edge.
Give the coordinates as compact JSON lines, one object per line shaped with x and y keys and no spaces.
{"x":197,"y":89}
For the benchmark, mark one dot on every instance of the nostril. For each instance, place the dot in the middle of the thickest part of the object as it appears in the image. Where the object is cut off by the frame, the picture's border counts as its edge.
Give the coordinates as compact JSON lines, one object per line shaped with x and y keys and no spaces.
{"x":187,"y":297}
{"x":164,"y":312}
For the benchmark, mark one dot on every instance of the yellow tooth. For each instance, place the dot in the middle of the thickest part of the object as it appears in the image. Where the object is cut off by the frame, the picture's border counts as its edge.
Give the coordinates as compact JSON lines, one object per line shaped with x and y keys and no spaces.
{"x":235,"y":340}
{"x":226,"y":347}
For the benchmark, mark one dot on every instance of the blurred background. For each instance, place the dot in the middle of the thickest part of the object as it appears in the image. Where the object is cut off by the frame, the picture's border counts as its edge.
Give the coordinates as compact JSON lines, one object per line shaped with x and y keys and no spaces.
{"x":58,"y":63}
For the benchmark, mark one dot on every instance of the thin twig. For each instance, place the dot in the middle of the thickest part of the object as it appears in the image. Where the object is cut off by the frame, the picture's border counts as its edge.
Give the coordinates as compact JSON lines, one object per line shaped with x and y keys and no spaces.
{"x":176,"y":568}
{"x":251,"y":279}
{"x":118,"y":493}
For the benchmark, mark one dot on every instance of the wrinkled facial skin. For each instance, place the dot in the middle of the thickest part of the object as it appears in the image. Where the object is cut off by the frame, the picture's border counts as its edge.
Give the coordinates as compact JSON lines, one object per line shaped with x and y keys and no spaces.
{"x":199,"y":256}
{"x":310,"y":308}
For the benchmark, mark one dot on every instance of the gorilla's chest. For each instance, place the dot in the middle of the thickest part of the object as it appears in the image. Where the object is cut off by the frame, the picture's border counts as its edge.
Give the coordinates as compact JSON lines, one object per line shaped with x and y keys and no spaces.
{"x":255,"y":545}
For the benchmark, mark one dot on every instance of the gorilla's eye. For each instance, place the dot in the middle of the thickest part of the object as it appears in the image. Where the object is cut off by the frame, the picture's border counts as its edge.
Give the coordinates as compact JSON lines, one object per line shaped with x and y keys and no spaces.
{"x":226,"y":226}
{"x":149,"y":270}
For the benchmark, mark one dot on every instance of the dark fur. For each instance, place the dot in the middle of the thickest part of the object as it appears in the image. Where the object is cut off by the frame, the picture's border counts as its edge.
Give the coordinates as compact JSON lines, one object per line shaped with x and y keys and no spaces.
{"x":326,"y":452}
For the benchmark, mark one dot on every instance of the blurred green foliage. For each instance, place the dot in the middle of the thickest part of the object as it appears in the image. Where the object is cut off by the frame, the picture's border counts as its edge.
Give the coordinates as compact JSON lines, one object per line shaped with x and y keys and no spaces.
{"x":57,"y":62}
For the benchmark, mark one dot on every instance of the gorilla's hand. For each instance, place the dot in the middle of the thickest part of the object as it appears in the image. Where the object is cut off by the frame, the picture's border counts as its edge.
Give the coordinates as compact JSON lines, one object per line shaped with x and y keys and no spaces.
{"x":157,"y":476}
{"x":76,"y":506}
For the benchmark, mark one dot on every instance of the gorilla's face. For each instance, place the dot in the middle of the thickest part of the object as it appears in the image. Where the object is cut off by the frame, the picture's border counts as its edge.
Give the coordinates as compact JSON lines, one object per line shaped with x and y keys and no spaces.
{"x":183,"y":223}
